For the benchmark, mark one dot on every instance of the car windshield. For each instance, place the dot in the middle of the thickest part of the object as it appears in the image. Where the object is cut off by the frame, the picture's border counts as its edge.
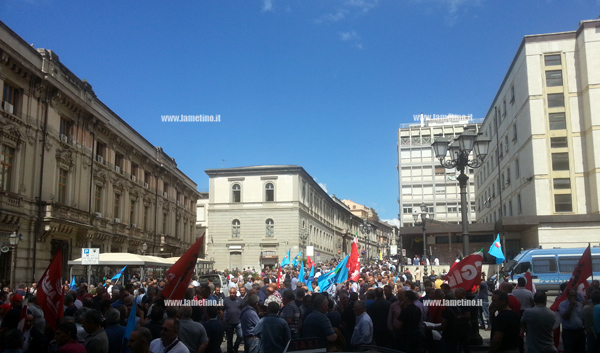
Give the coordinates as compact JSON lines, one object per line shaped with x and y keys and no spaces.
{"x":510,"y":265}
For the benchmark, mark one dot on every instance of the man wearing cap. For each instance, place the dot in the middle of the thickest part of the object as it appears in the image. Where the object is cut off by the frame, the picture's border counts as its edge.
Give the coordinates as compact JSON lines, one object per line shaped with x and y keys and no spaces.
{"x":13,"y":316}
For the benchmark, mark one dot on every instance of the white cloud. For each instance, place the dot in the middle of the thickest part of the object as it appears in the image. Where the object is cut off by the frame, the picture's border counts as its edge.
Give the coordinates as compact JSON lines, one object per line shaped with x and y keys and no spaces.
{"x":267,"y":5}
{"x":333,"y":17}
{"x":349,"y":36}
{"x":323,"y":186}
{"x":393,"y":221}
{"x":362,"y":5}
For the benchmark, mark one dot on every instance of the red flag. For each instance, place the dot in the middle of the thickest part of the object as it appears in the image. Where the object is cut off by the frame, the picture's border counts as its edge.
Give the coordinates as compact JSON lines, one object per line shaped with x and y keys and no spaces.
{"x":529,"y":285}
{"x":466,"y":273}
{"x":278,"y":277}
{"x":582,"y":271}
{"x":354,"y":261}
{"x":309,"y":262}
{"x":50,"y":294}
{"x":180,"y":274}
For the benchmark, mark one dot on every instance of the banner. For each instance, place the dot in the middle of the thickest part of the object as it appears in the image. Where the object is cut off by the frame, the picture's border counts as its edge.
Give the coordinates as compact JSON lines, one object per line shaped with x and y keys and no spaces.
{"x":466,"y":273}
{"x":50,"y":294}
{"x":582,"y":271}
{"x":180,"y":274}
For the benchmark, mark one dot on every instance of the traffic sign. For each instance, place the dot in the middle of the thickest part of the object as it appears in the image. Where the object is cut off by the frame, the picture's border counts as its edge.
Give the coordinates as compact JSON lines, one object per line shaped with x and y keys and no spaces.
{"x":90,"y":256}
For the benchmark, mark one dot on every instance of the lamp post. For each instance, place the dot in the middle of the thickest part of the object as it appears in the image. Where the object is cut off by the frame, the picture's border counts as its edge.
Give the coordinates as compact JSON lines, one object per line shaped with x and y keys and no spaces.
{"x":144,"y":248}
{"x":13,"y":240}
{"x":303,"y":239}
{"x":424,"y":216}
{"x":366,"y":229}
{"x":455,"y":154}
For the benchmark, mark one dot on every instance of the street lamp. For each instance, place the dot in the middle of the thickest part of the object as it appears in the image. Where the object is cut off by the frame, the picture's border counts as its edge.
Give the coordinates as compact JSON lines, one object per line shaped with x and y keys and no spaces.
{"x":366,"y":229}
{"x":424,"y":216}
{"x":455,"y":154}
{"x":144,"y":248}
{"x":304,"y":239}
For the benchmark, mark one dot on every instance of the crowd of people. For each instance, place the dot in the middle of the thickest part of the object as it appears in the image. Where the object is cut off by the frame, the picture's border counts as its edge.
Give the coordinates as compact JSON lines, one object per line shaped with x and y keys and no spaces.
{"x":260,"y":312}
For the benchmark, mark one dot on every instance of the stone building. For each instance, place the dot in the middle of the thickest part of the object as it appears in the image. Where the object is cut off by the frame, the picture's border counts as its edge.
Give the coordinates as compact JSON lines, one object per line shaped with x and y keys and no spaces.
{"x":75,"y":175}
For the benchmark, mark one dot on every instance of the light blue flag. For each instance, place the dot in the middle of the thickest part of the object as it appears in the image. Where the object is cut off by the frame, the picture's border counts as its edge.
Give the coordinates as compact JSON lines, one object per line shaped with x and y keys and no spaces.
{"x":338,"y":275}
{"x":118,"y":275}
{"x":301,"y":274}
{"x":73,"y":284}
{"x":496,"y":251}
{"x":311,"y":277}
{"x":129,"y":328}
{"x":286,"y":259}
{"x":296,"y":259}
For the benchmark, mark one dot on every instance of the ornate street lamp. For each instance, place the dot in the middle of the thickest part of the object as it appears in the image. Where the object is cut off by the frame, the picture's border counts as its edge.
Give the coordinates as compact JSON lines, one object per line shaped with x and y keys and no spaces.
{"x":366,"y":229}
{"x":424,"y":216}
{"x":455,"y":154}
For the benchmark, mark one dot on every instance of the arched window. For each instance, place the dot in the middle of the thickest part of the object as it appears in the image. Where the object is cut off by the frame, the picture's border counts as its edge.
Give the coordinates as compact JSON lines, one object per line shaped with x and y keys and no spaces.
{"x":270,"y":231}
{"x":235,"y":228}
{"x":269,"y":192}
{"x":236,"y":193}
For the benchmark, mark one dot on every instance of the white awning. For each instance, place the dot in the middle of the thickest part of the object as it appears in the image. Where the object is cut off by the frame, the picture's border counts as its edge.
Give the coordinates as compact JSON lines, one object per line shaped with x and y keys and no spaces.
{"x":122,"y":259}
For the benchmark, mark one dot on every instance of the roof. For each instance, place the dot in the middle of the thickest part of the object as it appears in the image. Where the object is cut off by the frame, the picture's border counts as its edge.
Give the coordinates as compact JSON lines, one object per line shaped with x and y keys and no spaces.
{"x":123,"y":259}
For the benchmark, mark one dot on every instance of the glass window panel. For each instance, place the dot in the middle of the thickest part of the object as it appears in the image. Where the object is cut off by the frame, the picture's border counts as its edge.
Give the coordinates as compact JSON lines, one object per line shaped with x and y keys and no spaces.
{"x":562,"y":203}
{"x":558,"y":142}
{"x":562,"y":183}
{"x":552,"y":60}
{"x":557,"y":121}
{"x":556,"y":100}
{"x":560,"y":161}
{"x":544,"y":265}
{"x":554,"y":78}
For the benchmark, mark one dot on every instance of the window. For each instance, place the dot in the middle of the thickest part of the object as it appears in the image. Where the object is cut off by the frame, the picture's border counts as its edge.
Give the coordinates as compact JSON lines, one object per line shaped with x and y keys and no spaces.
{"x":165,"y":189}
{"x":440,"y":170}
{"x":235,"y":228}
{"x":164,"y":223}
{"x":132,"y":211}
{"x":519,"y":206}
{"x":562,"y":203}
{"x":98,"y":199}
{"x":512,"y":94}
{"x":506,"y":144}
{"x":517,"y":170}
{"x":558,"y":142}
{"x":6,"y":164}
{"x":552,"y":60}
{"x":236,"y":193}
{"x":510,"y":209}
{"x":554,"y":78}
{"x":507,"y":180}
{"x":146,"y":210}
{"x":134,"y":171}
{"x":62,"y":186}
{"x":10,"y":94}
{"x":561,"y":183}
{"x":544,"y":265}
{"x":504,"y":108}
{"x":556,"y":100}
{"x":118,"y":163}
{"x":514,"y":132}
{"x":500,"y":150}
{"x":269,"y":192}
{"x":566,"y":264}
{"x":557,"y":121}
{"x":270,"y":228}
{"x":560,"y":161}
{"x":116,"y":205}
{"x":407,"y":210}
{"x":65,"y":128}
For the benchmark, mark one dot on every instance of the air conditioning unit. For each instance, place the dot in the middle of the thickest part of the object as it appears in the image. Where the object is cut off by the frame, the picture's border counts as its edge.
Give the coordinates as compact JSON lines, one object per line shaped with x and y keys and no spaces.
{"x":63,"y":138}
{"x":97,"y":214}
{"x":100,"y":159}
{"x":133,"y":225}
{"x":117,"y":220}
{"x":133,"y":178}
{"x":7,"y":107}
{"x":118,"y":169}
{"x":146,"y":185}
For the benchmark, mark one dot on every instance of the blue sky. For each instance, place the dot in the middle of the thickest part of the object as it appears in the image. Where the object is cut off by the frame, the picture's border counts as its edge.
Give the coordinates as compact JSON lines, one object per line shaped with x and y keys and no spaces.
{"x":323,"y":84}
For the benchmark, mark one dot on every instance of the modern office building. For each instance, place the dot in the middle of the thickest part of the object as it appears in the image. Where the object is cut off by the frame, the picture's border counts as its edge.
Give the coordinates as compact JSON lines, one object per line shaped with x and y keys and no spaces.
{"x":73,"y":174}
{"x":421,"y":177}
{"x":540,"y":184}
{"x":256,"y":214}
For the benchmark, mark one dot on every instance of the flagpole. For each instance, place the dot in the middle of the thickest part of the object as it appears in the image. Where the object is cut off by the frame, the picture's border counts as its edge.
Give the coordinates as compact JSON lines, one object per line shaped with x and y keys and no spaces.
{"x":173,"y":291}
{"x":590,"y":246}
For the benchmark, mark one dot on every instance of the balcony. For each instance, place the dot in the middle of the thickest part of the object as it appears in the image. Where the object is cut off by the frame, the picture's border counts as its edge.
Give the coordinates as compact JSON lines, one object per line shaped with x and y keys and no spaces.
{"x":10,"y":201}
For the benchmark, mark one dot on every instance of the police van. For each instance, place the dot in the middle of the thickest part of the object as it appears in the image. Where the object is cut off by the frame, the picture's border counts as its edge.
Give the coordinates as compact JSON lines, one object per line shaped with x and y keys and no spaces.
{"x":550,"y":267}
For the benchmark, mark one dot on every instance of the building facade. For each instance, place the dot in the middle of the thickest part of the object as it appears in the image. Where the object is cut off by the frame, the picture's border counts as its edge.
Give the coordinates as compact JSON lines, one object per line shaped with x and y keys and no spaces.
{"x":256,"y":214}
{"x":540,"y":184}
{"x":421,"y":177}
{"x":75,"y":175}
